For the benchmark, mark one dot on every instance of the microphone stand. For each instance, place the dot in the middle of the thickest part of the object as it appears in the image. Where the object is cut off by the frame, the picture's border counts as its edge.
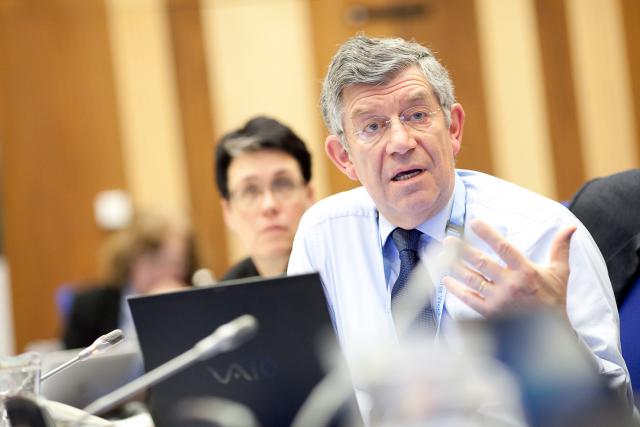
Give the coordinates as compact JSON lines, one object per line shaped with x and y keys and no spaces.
{"x":103,"y":343}
{"x":59,"y":368}
{"x":227,"y":337}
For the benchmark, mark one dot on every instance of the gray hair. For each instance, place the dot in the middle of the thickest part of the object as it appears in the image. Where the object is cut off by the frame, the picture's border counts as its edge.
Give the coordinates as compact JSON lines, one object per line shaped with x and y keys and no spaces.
{"x":374,"y":61}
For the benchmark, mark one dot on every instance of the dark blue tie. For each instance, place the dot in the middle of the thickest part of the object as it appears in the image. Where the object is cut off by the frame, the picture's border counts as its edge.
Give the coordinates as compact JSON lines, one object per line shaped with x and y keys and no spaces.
{"x":407,"y":242}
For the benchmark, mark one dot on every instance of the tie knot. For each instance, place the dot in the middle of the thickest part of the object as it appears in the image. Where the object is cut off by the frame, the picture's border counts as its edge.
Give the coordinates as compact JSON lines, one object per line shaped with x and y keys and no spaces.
{"x":406,"y":239}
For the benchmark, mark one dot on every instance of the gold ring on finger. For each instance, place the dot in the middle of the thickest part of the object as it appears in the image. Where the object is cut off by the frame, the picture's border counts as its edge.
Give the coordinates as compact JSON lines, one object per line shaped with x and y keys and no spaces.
{"x":482,"y":286}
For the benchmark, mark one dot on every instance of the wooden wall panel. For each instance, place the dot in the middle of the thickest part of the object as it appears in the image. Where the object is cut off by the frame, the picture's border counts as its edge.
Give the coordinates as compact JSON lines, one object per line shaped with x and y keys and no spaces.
{"x":59,"y":136}
{"x":260,"y":62}
{"x":631,"y":15}
{"x":198,"y":134}
{"x":603,"y":85}
{"x":430,"y":23}
{"x":562,"y":115}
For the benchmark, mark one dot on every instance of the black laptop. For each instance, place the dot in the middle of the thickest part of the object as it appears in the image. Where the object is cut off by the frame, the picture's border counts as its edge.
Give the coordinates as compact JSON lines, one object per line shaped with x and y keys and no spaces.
{"x":271,"y":375}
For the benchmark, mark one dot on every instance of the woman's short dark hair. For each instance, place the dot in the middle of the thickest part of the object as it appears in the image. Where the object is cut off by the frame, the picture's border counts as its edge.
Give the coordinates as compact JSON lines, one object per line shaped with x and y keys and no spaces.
{"x":259,"y":133}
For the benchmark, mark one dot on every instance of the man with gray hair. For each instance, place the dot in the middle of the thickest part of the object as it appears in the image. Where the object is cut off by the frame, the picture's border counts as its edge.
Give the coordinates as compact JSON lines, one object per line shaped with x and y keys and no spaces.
{"x":395,"y":127}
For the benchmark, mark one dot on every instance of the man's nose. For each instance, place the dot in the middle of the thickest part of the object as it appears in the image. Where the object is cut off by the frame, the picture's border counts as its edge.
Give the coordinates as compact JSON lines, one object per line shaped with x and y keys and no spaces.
{"x":399,"y":139}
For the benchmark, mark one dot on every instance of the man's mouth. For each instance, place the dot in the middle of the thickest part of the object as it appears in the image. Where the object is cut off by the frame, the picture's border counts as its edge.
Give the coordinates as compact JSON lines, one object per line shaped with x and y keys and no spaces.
{"x":404,"y":175}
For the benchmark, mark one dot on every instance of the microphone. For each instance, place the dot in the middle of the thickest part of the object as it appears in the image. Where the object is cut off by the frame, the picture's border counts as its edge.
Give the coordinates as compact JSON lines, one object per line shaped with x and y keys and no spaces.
{"x":225,"y":338}
{"x":203,"y":277}
{"x":100,"y":345}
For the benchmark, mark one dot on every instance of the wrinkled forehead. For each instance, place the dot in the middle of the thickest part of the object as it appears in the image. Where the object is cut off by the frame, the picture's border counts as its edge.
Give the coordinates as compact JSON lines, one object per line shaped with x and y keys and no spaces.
{"x":405,"y":90}
{"x":400,"y":100}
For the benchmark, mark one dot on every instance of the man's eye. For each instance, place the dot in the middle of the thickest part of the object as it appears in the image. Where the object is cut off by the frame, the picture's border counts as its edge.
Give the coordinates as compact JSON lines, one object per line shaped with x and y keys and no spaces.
{"x":418,"y":116}
{"x":372,"y":127}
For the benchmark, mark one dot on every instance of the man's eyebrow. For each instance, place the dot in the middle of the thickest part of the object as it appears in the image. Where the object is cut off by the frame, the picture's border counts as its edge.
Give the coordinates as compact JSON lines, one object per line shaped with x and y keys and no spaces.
{"x":361,"y":111}
{"x":419,"y":95}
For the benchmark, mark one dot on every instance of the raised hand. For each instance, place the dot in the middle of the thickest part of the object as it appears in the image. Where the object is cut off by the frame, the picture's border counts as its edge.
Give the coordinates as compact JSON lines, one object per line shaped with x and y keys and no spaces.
{"x":491,"y":288}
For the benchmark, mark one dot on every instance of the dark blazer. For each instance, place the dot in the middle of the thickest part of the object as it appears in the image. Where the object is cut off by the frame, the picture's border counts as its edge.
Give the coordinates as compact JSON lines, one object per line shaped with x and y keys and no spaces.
{"x":245,"y":268}
{"x":610,"y":209}
{"x":94,"y":312}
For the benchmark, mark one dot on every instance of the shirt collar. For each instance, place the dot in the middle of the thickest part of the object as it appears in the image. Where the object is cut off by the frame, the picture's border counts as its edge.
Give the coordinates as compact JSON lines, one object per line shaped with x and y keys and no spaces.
{"x":434,"y":227}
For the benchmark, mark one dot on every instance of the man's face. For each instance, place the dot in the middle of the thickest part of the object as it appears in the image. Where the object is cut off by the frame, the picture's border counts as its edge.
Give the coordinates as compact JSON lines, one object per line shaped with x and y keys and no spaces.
{"x":408,"y":167}
{"x":267,"y":198}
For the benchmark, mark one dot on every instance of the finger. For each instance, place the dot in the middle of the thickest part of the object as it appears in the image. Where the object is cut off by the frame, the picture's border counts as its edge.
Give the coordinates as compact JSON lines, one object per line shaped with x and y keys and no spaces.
{"x":472,"y":279}
{"x":560,"y":251}
{"x":465,"y":294}
{"x":481,"y":262}
{"x":505,"y":250}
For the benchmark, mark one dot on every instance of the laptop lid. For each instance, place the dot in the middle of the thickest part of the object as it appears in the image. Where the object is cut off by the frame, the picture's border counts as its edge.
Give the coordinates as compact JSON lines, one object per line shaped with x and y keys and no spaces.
{"x":271,"y":375}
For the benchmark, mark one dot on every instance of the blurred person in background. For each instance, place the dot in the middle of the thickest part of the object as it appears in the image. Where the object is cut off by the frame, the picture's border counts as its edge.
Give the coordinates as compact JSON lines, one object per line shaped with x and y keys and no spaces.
{"x":155,"y":253}
{"x":262,"y":171}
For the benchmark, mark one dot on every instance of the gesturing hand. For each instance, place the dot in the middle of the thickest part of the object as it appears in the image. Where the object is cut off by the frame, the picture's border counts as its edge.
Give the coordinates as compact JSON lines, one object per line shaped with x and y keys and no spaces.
{"x":491,"y":288}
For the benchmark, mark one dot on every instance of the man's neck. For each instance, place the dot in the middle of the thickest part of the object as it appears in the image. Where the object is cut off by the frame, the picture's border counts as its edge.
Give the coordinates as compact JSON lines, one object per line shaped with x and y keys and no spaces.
{"x":433,"y":226}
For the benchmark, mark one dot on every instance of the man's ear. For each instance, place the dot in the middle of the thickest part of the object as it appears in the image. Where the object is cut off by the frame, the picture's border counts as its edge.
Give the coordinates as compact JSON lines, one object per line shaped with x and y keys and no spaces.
{"x":340,"y":156}
{"x":456,"y":127}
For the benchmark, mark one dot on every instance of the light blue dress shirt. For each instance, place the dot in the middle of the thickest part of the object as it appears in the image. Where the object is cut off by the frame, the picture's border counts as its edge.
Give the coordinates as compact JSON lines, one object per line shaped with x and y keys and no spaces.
{"x":344,"y":238}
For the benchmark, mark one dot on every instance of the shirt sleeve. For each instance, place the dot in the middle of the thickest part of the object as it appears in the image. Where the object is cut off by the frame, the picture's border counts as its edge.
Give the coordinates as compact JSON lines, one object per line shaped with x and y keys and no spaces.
{"x":300,"y":260}
{"x":593,"y":313}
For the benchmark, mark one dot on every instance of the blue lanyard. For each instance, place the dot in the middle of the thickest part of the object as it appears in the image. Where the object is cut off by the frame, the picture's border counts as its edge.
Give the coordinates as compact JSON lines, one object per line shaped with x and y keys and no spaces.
{"x":455,"y":227}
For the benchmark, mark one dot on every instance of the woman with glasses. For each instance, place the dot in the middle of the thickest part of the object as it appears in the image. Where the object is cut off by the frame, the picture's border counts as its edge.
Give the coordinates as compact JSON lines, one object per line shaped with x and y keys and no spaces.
{"x":262,"y":172}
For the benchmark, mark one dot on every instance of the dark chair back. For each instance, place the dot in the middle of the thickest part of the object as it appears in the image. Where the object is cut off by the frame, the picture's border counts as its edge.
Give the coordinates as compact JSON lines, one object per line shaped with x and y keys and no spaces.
{"x":629,"y":333}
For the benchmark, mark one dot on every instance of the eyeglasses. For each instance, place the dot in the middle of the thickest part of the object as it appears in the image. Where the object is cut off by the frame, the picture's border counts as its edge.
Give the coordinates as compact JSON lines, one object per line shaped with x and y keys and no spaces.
{"x":250,"y":195}
{"x":370,"y":129}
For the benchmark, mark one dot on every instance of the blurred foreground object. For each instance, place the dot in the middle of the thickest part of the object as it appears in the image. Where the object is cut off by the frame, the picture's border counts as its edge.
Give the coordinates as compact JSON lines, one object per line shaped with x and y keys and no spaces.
{"x":527,"y":369}
{"x":19,"y":376}
{"x":558,"y":378}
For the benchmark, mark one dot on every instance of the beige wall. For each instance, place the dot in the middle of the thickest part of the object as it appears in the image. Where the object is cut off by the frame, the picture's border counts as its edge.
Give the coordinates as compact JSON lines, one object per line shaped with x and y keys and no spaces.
{"x":603,"y":86}
{"x":515,"y":93}
{"x":147,"y":104}
{"x":261,"y":62}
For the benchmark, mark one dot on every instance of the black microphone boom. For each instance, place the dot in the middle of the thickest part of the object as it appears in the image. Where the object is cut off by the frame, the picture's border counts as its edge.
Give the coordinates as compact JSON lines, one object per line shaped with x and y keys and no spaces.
{"x":103,"y":343}
{"x":227,"y":337}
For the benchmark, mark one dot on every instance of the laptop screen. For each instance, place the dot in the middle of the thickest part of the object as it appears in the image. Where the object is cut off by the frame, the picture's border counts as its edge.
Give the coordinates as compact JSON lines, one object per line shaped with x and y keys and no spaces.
{"x":271,"y":375}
